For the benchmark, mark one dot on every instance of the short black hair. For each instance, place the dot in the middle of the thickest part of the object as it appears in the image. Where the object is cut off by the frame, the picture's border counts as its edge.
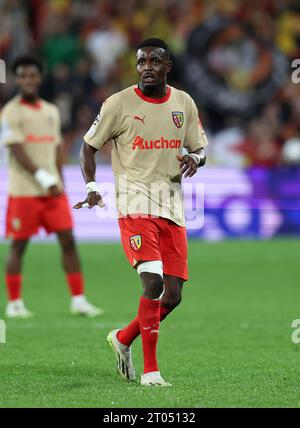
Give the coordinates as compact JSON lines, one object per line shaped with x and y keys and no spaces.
{"x":27,"y":60}
{"x":158,"y":43}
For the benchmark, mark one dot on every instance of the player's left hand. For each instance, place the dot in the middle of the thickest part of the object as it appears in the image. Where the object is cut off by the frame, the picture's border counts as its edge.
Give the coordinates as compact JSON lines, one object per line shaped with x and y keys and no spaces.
{"x":54,"y":190}
{"x":93,"y":199}
{"x":188,"y":165}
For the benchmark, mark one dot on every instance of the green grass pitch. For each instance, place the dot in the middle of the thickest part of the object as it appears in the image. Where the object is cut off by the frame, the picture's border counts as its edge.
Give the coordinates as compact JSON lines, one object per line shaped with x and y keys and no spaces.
{"x":228,"y":345}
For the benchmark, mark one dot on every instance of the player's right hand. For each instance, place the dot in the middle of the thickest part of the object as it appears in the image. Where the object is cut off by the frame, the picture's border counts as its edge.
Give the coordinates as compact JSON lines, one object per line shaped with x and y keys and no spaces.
{"x":54,"y":190}
{"x":93,"y":199}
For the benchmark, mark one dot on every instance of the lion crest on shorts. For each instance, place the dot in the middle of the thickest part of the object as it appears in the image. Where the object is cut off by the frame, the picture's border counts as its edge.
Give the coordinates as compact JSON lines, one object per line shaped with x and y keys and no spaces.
{"x":135,"y":242}
{"x":16,"y":224}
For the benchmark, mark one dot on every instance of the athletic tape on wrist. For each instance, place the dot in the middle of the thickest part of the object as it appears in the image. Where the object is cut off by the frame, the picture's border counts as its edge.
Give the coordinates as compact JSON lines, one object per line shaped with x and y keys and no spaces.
{"x":92,"y":186}
{"x":45,"y":179}
{"x":196,"y":157}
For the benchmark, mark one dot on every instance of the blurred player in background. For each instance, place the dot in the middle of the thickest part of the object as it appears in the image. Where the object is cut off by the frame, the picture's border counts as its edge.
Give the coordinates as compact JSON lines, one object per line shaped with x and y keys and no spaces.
{"x":31,"y":131}
{"x":150,"y":123}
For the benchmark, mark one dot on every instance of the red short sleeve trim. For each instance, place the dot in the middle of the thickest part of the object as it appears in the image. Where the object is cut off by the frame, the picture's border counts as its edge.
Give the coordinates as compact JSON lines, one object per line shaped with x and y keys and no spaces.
{"x":153,"y":100}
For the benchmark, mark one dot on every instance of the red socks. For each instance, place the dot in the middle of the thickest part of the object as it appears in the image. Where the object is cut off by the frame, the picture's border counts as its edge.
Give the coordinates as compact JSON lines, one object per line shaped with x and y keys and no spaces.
{"x":14,"y":285}
{"x":148,"y":316}
{"x":75,"y":282}
{"x":128,"y":334}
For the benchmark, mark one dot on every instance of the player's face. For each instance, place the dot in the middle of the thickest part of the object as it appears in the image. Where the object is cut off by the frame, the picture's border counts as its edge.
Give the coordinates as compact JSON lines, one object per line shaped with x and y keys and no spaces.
{"x":29,"y":80}
{"x":152,"y":66}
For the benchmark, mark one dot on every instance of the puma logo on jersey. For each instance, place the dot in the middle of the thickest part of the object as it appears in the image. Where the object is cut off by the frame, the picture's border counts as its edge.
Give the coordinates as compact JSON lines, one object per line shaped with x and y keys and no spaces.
{"x":163,"y":143}
{"x":142,"y":119}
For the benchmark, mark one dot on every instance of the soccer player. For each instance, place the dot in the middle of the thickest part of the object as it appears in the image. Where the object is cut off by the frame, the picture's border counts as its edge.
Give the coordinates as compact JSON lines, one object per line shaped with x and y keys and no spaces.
{"x":149,"y":124}
{"x":30,"y":128}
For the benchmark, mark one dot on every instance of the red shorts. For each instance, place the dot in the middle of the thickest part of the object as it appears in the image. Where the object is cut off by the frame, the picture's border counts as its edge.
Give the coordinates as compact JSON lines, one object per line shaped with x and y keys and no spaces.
{"x":155,"y":239}
{"x":26,"y":214}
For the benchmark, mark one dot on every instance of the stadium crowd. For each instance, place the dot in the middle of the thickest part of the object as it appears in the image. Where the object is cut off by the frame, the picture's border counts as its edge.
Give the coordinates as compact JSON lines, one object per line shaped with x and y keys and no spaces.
{"x":234,"y":57}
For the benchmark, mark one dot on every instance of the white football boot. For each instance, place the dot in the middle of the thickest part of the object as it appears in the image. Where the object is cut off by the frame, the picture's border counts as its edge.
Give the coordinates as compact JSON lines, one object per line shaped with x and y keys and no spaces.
{"x":80,"y":306}
{"x":123,"y":355}
{"x":153,"y":379}
{"x":17,"y":309}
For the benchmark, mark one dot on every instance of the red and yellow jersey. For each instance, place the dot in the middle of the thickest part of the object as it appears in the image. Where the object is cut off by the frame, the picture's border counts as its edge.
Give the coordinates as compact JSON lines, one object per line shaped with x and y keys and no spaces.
{"x":37,"y":128}
{"x":147,"y":135}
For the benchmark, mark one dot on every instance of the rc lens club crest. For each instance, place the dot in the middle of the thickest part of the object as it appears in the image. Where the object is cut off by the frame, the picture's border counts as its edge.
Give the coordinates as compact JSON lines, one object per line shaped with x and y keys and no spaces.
{"x":136,"y":242}
{"x":178,"y":118}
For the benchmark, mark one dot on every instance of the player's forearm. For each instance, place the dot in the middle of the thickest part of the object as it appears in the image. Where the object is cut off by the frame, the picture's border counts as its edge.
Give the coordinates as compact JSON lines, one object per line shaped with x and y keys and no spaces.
{"x":45,"y":179}
{"x":20,"y":155}
{"x":88,"y":162}
{"x":59,"y":160}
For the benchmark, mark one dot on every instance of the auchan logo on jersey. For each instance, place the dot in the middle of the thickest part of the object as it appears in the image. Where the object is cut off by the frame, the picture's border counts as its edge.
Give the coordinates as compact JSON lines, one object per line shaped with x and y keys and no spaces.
{"x":31,"y":138}
{"x":163,"y":143}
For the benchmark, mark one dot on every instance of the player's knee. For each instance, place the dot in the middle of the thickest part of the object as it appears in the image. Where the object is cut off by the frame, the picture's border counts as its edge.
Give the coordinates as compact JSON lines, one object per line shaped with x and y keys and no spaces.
{"x":18,"y":248}
{"x":172,"y":301}
{"x":153,"y":286}
{"x":152,"y":277}
{"x":67,"y":242}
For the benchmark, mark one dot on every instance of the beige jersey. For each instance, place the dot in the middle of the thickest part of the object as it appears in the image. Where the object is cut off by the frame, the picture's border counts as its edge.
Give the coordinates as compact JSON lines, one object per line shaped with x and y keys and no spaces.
{"x":147,"y":135}
{"x":37,"y":128}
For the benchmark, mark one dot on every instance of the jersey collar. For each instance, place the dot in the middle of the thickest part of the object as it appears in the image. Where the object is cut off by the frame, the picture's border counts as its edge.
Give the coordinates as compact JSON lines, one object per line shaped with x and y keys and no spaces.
{"x":153,"y":100}
{"x":36,"y":106}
